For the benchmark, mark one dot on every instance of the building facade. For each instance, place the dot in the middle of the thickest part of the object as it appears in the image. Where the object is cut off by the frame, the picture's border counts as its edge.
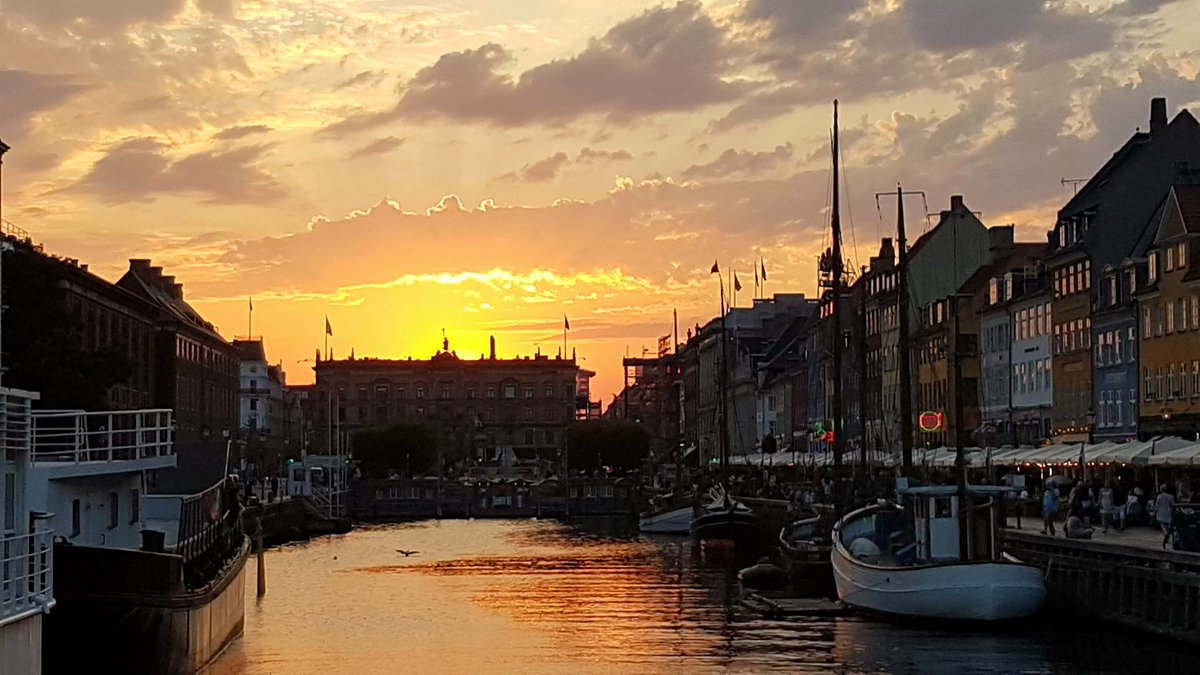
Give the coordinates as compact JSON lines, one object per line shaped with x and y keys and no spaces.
{"x":1170,"y":308}
{"x":480,"y":406}
{"x":1098,"y":227}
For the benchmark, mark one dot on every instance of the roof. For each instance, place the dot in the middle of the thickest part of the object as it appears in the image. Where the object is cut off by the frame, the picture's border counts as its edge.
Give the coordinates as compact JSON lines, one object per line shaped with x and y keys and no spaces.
{"x":1188,"y":197}
{"x":150,"y":283}
{"x":250,"y":350}
{"x":1033,"y":250}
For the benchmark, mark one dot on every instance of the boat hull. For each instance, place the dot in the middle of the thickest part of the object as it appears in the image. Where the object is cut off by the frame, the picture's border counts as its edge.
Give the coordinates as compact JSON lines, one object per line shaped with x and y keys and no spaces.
{"x":743,"y":528}
{"x":978,"y":591}
{"x":676,"y":521}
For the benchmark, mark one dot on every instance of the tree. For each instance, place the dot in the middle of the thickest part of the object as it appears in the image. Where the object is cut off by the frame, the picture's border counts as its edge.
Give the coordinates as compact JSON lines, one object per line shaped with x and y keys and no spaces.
{"x":405,"y":447}
{"x":616,"y":443}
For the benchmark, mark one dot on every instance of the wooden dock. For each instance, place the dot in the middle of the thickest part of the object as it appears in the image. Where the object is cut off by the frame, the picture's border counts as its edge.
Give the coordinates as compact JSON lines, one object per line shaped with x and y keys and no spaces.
{"x":775,"y":608}
{"x":1126,"y":578}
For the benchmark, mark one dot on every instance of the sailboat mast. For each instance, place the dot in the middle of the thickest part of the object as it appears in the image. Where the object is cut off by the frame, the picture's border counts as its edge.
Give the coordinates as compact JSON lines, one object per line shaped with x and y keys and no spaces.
{"x":835,"y":307}
{"x":905,"y":353}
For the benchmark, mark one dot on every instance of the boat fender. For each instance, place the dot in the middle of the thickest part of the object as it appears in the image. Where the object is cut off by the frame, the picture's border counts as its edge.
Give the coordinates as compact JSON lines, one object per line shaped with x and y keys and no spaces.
{"x":763,"y":574}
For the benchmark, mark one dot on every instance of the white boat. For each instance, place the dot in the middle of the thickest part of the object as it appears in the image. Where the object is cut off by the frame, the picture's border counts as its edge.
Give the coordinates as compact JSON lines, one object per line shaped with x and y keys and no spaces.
{"x":933,"y":558}
{"x":674,"y":521}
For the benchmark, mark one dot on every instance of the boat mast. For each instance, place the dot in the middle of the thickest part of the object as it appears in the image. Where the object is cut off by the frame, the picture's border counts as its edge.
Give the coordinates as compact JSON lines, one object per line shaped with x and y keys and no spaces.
{"x":905,"y":353}
{"x":835,"y":309}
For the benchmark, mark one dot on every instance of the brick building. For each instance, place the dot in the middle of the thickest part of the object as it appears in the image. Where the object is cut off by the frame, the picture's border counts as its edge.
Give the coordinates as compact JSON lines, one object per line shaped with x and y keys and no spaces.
{"x":480,"y":405}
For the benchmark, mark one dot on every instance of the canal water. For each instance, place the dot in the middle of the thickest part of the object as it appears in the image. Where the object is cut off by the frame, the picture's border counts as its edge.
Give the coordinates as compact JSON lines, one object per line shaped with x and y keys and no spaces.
{"x":524,"y":596}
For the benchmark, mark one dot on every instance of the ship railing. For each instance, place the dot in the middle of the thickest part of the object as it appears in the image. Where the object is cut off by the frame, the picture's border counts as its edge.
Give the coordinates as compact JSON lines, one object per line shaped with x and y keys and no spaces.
{"x":26,"y":575}
{"x":81,"y":437}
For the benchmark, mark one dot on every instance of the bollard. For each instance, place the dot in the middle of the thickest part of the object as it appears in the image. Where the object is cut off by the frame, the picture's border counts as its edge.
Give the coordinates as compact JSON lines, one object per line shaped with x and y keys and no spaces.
{"x":262,"y":563}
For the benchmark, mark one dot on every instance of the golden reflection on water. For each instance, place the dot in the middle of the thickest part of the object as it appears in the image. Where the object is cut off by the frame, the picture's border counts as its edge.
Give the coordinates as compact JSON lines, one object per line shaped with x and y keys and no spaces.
{"x":500,"y":596}
{"x":490,"y":596}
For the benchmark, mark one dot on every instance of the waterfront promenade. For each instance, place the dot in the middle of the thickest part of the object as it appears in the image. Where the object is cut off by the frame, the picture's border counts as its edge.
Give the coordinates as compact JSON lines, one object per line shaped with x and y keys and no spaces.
{"x":1134,"y":536}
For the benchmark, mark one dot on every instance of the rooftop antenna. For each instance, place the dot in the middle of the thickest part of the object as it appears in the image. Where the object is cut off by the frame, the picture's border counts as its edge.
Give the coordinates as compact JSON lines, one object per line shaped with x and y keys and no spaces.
{"x":1074,"y":183}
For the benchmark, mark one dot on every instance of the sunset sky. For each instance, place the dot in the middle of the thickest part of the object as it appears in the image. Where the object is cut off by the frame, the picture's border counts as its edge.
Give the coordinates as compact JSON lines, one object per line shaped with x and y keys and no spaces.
{"x":487,"y":167}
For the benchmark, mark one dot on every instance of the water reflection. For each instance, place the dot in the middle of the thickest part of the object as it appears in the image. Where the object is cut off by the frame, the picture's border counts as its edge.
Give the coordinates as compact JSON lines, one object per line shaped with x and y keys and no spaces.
{"x":540,"y":597}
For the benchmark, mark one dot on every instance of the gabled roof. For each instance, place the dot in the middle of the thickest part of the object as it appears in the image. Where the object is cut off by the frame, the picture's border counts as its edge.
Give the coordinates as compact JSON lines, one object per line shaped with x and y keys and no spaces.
{"x":1188,"y":198}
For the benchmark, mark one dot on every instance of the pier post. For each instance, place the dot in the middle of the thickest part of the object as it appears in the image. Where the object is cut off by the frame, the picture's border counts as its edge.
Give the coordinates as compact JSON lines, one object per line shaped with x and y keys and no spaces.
{"x":262,"y":563}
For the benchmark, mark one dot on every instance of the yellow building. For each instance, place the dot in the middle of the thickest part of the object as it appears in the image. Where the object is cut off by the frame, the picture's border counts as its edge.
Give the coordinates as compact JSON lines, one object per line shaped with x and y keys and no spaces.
{"x":1170,"y":320}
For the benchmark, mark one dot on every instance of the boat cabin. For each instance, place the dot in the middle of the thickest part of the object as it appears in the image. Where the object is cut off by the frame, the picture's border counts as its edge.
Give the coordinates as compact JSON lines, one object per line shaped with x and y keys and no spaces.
{"x":933,"y":524}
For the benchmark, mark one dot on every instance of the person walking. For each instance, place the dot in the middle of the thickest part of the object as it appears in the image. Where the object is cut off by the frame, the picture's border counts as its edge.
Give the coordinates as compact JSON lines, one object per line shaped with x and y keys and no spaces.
{"x":1049,"y":509}
{"x":1106,"y":505}
{"x":1163,"y":506}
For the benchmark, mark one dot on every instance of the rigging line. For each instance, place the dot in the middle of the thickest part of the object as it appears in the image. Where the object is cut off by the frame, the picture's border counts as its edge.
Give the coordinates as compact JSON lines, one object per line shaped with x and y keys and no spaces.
{"x":928,"y":215}
{"x":849,"y":209}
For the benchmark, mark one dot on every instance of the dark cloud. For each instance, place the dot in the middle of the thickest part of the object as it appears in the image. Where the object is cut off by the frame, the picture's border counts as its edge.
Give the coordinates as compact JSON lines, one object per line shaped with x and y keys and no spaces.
{"x":797,"y":19}
{"x":379,"y":146}
{"x":590,"y":155}
{"x":366,"y":77}
{"x":138,"y":170}
{"x":24,"y":94}
{"x":240,"y":131}
{"x":667,"y":59}
{"x":541,"y":171}
{"x":740,"y":162}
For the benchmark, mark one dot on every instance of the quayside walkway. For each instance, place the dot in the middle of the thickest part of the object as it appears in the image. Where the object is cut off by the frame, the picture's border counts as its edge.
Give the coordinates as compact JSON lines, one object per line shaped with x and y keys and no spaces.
{"x":1134,"y":536}
{"x":1123,"y":577}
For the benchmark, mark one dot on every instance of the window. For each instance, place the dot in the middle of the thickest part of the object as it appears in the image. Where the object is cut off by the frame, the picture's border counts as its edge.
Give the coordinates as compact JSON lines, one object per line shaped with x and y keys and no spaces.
{"x":1170,"y":311}
{"x":1146,"y":321}
{"x":491,"y":391}
{"x":114,"y":510}
{"x":1171,"y":382}
{"x":75,"y":521}
{"x":1195,"y":312}
{"x":1182,"y":261}
{"x":1196,"y":379}
{"x":549,"y":392}
{"x":1170,"y":259}
{"x":254,"y":404}
{"x":471,"y":391}
{"x":528,"y":391}
{"x":135,"y":507}
{"x":1158,"y":383}
{"x":510,"y":391}
{"x":1112,"y":290}
{"x":10,"y":502}
{"x":1181,"y":314}
{"x":445,"y":392}
{"x":420,"y":392}
{"x":1147,"y":385}
{"x":1152,"y":267}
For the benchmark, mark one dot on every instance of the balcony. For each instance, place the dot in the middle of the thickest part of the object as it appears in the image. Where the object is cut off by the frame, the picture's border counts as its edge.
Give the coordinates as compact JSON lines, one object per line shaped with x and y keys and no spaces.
{"x":73,"y":443}
{"x":26,"y":575}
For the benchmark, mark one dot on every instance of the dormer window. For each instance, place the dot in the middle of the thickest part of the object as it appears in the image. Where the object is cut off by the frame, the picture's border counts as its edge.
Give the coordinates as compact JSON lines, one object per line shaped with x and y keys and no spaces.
{"x":1181,"y":263}
{"x":1152,"y":267}
{"x":1170,"y":259}
{"x":1112,"y":290}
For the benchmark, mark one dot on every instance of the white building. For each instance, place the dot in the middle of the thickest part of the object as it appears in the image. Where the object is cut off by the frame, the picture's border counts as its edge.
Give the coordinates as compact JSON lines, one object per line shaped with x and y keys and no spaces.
{"x":261,"y":399}
{"x":26,"y":545}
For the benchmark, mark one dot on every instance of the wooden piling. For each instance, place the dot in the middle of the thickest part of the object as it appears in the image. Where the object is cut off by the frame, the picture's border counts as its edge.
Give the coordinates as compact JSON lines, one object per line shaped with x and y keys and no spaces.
{"x":262,"y":561}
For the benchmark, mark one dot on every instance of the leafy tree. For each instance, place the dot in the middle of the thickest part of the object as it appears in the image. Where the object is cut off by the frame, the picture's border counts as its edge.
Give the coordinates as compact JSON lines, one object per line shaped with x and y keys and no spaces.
{"x":43,"y":341}
{"x":406,"y":446}
{"x":617,"y":443}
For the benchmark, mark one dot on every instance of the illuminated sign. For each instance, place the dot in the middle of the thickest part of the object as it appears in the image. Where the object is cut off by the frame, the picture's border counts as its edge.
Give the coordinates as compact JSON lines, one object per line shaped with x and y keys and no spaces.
{"x":931,"y":421}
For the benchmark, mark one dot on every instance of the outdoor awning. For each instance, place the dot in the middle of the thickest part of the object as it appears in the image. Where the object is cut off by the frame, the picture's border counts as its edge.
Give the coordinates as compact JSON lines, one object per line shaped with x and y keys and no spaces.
{"x":1162,"y":446}
{"x":1188,"y":455}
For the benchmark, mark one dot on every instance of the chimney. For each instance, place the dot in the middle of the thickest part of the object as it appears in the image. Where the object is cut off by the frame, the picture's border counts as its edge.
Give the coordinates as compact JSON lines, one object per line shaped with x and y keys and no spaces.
{"x":166,"y":283}
{"x":956,"y":202}
{"x":177,"y":291}
{"x":1158,"y":115}
{"x":1000,"y":241}
{"x":492,"y":351}
{"x":139,"y":265}
{"x":155,"y":274}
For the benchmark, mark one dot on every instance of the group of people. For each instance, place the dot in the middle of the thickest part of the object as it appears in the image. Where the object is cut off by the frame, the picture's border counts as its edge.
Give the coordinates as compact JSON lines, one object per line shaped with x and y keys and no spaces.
{"x":1112,"y":506}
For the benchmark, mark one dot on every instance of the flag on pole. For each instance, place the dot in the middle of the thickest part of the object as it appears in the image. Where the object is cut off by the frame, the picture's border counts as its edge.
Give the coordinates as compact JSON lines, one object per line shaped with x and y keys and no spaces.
{"x":715,"y":269}
{"x":566,"y":323}
{"x":764,"y":268}
{"x":328,"y":328}
{"x":251,"y":304}
{"x":737,"y":285}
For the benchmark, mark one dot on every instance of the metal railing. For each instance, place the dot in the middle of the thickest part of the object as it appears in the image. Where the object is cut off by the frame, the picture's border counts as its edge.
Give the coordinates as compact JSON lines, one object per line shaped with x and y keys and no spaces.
{"x":76,"y":436}
{"x":26,"y":575}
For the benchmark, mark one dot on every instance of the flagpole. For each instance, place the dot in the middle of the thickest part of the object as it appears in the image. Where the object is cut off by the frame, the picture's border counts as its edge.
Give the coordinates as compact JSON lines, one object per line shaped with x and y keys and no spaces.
{"x":327,"y":338}
{"x":564,"y":336}
{"x":250,"y":320}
